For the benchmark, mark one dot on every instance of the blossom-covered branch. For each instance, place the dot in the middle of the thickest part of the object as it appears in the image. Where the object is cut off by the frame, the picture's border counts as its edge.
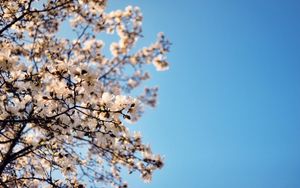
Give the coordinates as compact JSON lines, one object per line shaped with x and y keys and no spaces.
{"x":64,"y":102}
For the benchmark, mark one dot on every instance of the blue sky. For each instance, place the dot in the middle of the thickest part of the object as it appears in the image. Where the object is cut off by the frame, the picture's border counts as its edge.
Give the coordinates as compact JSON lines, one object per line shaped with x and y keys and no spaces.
{"x":229,"y":107}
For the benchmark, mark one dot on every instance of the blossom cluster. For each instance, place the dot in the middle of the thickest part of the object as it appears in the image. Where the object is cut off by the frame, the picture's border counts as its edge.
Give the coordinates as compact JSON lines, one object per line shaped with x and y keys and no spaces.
{"x":65,"y":104}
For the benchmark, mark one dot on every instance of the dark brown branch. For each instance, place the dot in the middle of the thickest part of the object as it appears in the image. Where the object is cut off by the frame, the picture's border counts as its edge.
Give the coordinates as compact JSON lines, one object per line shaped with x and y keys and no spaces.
{"x":7,"y":159}
{"x":12,"y":23}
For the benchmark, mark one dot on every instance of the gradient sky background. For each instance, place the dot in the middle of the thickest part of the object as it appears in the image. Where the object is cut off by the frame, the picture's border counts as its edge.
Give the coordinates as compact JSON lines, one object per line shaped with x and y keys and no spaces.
{"x":229,"y":107}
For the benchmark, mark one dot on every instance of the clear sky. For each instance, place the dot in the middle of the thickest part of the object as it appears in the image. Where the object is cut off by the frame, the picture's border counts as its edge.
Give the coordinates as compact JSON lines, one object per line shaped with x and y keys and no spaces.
{"x":229,"y":107}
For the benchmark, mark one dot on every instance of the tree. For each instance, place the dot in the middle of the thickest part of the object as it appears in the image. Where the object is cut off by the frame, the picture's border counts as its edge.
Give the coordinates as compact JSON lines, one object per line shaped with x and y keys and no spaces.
{"x":64,"y":102}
